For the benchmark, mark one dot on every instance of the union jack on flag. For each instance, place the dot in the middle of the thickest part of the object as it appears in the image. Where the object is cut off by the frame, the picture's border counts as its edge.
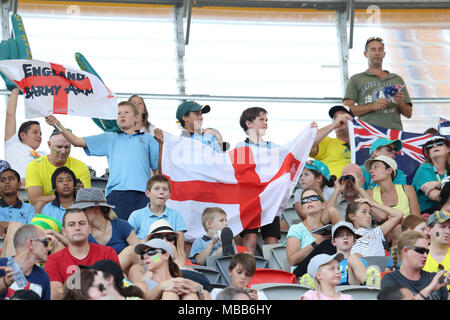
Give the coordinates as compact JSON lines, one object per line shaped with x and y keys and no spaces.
{"x":409,"y":158}
{"x":444,"y":127}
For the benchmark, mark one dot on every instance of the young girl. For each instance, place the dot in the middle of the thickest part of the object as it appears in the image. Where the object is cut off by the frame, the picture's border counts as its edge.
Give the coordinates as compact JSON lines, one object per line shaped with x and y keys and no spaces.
{"x":324,"y":269}
{"x":143,"y":124}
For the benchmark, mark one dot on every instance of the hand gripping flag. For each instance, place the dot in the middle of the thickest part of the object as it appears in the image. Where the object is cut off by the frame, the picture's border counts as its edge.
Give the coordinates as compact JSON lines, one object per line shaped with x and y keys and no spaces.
{"x":50,"y":88}
{"x":252,"y":185}
{"x":409,"y":158}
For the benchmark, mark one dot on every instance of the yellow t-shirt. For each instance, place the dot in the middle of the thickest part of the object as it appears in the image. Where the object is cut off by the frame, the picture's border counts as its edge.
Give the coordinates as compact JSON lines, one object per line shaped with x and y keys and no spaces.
{"x":403,"y":201}
{"x":433,"y":266}
{"x":334,"y":153}
{"x":39,"y":173}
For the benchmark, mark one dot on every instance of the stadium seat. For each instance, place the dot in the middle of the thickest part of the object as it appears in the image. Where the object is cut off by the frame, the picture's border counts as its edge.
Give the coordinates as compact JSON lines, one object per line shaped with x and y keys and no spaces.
{"x":260,"y":244}
{"x":211,"y":274}
{"x":359,"y":292}
{"x":23,"y":194}
{"x":278,"y":259}
{"x":272,"y":276}
{"x":98,"y":182}
{"x":282,"y":291}
{"x":266,"y":248}
{"x":380,"y":261}
{"x":290,"y":216}
{"x":222,"y":263}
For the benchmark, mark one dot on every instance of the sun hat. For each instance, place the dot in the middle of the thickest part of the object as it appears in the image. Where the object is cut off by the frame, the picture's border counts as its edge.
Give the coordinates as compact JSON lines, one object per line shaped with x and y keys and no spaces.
{"x":390,"y":162}
{"x":384,"y":142}
{"x":321,"y":259}
{"x":90,"y":197}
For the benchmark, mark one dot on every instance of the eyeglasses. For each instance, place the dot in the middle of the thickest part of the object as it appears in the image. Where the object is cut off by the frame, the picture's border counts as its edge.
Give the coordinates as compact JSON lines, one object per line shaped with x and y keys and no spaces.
{"x":151,"y":253}
{"x":420,"y":250}
{"x":168,"y":236}
{"x":348,"y":177}
{"x":437,"y":144}
{"x":44,"y":241}
{"x":374,"y":38}
{"x":312,"y":198}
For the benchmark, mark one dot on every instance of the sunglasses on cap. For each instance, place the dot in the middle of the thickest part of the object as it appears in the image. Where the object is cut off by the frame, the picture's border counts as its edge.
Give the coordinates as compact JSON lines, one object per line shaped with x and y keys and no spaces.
{"x":151,"y":252}
{"x":168,"y":236}
{"x":432,"y":144}
{"x":374,"y":38}
{"x":420,"y":250}
{"x":347,"y":177}
{"x":312,"y":198}
{"x":57,"y":131}
{"x":44,"y":241}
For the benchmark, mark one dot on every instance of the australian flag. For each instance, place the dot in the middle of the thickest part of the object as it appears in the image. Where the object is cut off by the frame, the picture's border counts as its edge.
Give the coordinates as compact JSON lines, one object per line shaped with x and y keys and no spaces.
{"x":409,"y":158}
{"x":444,"y":127}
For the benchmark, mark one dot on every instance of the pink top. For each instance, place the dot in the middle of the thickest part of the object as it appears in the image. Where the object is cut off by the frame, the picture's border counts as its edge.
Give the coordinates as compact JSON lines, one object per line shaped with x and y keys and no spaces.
{"x":312,"y":295}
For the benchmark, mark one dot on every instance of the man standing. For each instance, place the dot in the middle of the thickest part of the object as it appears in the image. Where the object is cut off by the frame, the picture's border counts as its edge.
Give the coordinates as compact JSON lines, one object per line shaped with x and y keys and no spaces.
{"x":365,"y":92}
{"x":31,"y":245}
{"x":60,"y":265}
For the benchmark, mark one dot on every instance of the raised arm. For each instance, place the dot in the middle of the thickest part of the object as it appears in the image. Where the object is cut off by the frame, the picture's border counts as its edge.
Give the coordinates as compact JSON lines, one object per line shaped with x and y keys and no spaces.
{"x":72,"y":138}
{"x":10,"y":122}
{"x":338,"y":122}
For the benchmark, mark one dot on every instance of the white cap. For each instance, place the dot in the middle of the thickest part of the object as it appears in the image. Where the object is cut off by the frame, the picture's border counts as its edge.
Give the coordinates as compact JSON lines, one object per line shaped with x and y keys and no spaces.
{"x":321,"y":259}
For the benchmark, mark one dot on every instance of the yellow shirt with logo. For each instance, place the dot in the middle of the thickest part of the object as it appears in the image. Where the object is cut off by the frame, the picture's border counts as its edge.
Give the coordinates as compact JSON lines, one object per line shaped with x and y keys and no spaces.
{"x":433,"y":266}
{"x":334,"y":153}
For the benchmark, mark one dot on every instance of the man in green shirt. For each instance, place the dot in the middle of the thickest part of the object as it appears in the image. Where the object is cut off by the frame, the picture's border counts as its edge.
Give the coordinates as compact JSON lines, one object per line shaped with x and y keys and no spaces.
{"x":364,"y":93}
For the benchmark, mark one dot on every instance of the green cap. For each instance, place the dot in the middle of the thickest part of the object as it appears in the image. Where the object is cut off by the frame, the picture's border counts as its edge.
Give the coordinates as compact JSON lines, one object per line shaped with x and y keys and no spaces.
{"x":189,"y":106}
{"x":46,"y":222}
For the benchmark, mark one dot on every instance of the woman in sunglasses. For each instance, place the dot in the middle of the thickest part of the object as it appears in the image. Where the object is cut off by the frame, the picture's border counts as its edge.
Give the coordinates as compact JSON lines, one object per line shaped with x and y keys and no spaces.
{"x":412,"y":248}
{"x":428,"y":177}
{"x":301,"y":244}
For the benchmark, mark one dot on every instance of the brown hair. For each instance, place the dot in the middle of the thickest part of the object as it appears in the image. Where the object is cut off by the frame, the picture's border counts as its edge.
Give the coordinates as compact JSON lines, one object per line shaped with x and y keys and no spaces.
{"x":131,"y":105}
{"x":247,"y":261}
{"x":158,"y":178}
{"x":145,"y":121}
{"x":412,"y":221}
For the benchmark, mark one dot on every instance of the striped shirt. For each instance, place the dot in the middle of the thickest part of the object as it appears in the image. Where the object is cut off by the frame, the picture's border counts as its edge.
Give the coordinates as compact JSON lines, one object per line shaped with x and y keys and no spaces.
{"x":371,"y":242}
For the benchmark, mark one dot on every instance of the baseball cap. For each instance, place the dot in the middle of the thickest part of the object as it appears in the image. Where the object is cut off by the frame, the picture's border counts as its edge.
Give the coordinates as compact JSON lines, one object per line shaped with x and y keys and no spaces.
{"x":335,"y":109}
{"x":390,"y":162}
{"x":155,"y":244}
{"x":384,"y":142}
{"x":321,"y":259}
{"x":344,"y":224}
{"x":438,"y":216}
{"x":111,"y":267}
{"x":189,"y":106}
{"x":319,"y":166}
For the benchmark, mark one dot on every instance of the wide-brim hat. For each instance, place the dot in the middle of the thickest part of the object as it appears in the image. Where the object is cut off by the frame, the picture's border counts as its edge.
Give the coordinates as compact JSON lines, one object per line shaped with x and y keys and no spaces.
{"x":389,"y":161}
{"x":190,"y":106}
{"x":90,"y":197}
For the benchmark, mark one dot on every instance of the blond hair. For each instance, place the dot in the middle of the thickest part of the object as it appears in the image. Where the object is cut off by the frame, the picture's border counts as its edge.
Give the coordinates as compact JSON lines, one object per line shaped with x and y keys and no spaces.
{"x":407,"y":238}
{"x":210,"y":213}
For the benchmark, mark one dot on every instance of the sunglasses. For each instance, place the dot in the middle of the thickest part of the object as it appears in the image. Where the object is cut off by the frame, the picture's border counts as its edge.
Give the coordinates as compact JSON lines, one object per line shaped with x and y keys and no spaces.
{"x":312,"y":198}
{"x":168,"y":236}
{"x":45,"y":242}
{"x":374,"y":38}
{"x":437,"y":144}
{"x":57,"y":131}
{"x":345,"y":178}
{"x":151,"y":253}
{"x":420,"y":250}
{"x":389,"y":148}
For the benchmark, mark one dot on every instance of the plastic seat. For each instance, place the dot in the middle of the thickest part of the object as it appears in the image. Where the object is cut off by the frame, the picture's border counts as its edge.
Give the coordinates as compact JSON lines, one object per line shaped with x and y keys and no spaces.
{"x":359,"y":292}
{"x":290,"y":216}
{"x":222,"y":263}
{"x":272,"y":276}
{"x":278,"y":259}
{"x":211,"y":274}
{"x":380,"y":261}
{"x":282,"y":291}
{"x":98,"y":182}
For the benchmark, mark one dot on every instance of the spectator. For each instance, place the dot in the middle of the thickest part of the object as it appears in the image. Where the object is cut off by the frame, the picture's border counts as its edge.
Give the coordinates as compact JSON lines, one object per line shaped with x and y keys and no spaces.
{"x":164,"y":280}
{"x":365,"y":91}
{"x":142,"y":124}
{"x":438,"y":229}
{"x":395,"y":293}
{"x":158,"y":190}
{"x":12,"y":209}
{"x":23,"y":294}
{"x":233,"y":293}
{"x":414,"y":223}
{"x":388,"y":148}
{"x":334,"y":152}
{"x":63,"y":183}
{"x":371,"y":241}
{"x":31,"y":245}
{"x":254,"y":123}
{"x":223,"y":145}
{"x":301,"y":244}
{"x":316,"y":175}
{"x":106,"y":228}
{"x":428,"y":177}
{"x":125,"y":187}
{"x":60,"y":265}
{"x":39,"y":171}
{"x":218,"y":240}
{"x":241,"y":269}
{"x":412,"y":248}
{"x":21,"y":147}
{"x":190,"y":116}
{"x":445,"y":194}
{"x":324,"y":269}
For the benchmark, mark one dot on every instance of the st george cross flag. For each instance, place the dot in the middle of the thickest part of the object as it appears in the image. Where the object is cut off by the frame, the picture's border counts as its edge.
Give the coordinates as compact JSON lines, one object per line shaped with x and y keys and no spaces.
{"x":363,"y":135}
{"x":50,"y":88}
{"x":252,"y":185}
{"x":444,"y":127}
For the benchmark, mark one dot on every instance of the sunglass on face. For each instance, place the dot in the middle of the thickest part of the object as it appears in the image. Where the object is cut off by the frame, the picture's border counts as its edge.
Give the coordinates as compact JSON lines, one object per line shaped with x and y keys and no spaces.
{"x":312,"y":198}
{"x":419,"y":250}
{"x":45,"y":242}
{"x":150,"y":253}
{"x":437,"y":144}
{"x":168,"y":236}
{"x":389,"y":148}
{"x":345,"y":178}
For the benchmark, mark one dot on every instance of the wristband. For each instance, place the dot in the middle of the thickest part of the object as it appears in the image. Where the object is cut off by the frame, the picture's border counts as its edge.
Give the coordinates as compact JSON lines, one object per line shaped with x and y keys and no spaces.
{"x":314,"y":245}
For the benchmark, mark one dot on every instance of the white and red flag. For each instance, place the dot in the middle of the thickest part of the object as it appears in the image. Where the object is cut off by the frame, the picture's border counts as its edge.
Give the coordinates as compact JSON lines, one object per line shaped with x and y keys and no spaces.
{"x":50,"y":88}
{"x":252,"y":185}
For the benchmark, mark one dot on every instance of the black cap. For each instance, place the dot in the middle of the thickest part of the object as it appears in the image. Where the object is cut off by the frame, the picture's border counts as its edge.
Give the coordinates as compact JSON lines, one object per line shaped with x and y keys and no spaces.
{"x":335,"y":109}
{"x":108,"y":266}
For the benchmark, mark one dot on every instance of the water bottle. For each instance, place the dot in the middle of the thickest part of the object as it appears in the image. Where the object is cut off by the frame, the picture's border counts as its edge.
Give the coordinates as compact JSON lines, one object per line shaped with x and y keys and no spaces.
{"x":19,"y":278}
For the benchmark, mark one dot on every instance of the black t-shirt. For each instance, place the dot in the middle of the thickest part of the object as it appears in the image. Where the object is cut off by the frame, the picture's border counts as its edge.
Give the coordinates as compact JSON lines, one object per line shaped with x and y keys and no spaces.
{"x":397,"y":279}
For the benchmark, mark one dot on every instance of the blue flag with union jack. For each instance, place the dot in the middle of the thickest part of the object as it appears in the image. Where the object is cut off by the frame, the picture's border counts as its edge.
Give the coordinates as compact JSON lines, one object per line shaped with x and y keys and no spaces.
{"x":409,"y":158}
{"x":444,"y":127}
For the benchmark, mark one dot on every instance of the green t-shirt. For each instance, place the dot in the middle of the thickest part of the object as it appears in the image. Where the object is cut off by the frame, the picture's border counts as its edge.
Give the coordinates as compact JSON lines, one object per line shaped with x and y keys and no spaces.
{"x":365,"y":88}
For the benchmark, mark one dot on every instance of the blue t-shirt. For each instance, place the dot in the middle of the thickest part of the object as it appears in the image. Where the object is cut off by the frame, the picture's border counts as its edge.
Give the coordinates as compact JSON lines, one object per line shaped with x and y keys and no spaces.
{"x":121,"y":230}
{"x":343,"y":267}
{"x":263,"y":144}
{"x":400,"y":178}
{"x":38,"y":281}
{"x":130,"y":158}
{"x":425,"y":173}
{"x":54,"y":210}
{"x":142,"y":219}
{"x":205,"y":138}
{"x":20,"y":212}
{"x":300,"y":232}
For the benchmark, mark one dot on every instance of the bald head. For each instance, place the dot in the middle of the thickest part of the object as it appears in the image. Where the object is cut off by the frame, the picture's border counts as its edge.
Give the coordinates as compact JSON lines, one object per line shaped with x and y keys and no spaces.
{"x":349,"y":192}
{"x":59,"y":149}
{"x":354,"y":170}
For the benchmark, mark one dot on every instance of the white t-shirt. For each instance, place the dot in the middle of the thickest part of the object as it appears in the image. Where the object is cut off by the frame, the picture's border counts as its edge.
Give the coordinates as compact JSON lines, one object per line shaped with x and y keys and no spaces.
{"x":371,"y":242}
{"x":215,"y":292}
{"x":19,"y":155}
